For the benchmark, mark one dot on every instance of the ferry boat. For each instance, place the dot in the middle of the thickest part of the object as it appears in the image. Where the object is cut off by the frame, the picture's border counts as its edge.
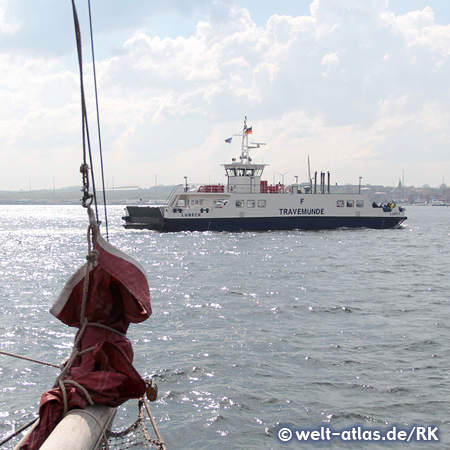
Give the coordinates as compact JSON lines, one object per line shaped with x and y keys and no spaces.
{"x":247,"y":202}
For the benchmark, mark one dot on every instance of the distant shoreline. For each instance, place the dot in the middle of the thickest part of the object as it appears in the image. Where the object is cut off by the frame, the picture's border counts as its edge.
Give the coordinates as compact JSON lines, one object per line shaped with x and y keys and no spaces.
{"x":134,"y":195}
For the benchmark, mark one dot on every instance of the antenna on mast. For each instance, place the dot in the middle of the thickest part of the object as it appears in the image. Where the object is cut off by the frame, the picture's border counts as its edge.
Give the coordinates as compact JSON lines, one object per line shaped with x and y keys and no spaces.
{"x":309,"y":171}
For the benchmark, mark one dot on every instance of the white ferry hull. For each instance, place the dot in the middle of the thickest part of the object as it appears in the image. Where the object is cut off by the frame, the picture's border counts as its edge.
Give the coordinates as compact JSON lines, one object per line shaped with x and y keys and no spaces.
{"x":281,"y":212}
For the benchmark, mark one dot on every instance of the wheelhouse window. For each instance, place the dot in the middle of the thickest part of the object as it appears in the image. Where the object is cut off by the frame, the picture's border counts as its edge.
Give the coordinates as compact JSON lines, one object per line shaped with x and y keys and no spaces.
{"x":340,"y":203}
{"x":241,"y":172}
{"x":251,"y":203}
{"x":231,"y":172}
{"x":360,"y":203}
{"x":240,"y":203}
{"x":350,"y":203}
{"x":249,"y":172}
{"x":261,"y":203}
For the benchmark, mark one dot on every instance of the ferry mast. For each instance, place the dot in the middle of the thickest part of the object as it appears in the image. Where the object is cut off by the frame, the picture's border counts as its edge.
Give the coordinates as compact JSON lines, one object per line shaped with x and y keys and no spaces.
{"x":246,"y":147}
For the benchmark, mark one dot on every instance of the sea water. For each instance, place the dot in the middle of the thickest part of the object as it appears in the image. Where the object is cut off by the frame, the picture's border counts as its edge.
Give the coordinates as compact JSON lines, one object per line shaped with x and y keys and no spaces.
{"x":250,"y":332}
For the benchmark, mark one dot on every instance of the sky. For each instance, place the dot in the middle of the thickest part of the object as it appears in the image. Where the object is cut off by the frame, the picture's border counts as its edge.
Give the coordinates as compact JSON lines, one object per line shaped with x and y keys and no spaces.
{"x":360,"y":87}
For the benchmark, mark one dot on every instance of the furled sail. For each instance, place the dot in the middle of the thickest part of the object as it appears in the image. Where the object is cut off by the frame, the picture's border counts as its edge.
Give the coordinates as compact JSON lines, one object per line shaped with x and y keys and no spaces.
{"x":100,"y":369}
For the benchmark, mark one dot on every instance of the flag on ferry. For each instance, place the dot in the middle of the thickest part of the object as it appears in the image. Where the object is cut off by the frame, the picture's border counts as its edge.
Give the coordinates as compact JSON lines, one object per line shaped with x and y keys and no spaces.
{"x":228,"y":141}
{"x":248,"y":130}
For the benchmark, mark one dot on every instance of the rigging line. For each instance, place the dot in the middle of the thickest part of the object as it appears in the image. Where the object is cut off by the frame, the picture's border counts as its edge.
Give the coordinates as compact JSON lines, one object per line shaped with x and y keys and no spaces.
{"x":29,"y":359}
{"x":152,"y":420}
{"x":18,"y":431}
{"x":94,"y":191}
{"x":98,"y":121}
{"x":85,"y":127}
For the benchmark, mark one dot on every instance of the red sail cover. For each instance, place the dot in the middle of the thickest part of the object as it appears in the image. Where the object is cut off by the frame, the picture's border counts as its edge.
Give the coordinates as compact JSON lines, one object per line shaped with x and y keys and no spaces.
{"x":118,"y":295}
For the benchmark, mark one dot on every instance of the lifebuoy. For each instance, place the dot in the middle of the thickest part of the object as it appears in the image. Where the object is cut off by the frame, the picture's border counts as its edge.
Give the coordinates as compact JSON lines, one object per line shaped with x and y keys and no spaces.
{"x":287,"y":189}
{"x":186,"y":189}
{"x":201,"y":189}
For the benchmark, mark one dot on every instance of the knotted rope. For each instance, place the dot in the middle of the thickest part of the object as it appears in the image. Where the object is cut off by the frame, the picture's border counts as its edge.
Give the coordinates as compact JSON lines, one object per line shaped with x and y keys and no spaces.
{"x":91,"y":257}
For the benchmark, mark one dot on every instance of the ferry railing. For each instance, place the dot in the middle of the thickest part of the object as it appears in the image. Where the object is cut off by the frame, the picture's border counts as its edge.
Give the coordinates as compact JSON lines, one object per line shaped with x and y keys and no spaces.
{"x":263,"y":188}
{"x":172,"y":196}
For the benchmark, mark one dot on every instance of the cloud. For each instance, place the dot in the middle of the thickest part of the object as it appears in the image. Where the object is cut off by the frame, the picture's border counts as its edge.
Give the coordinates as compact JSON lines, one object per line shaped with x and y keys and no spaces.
{"x":354,"y":85}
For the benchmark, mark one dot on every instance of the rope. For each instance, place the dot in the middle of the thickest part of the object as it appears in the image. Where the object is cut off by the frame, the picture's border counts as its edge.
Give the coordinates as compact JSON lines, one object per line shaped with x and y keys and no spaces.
{"x":18,"y":431}
{"x":91,"y":258}
{"x":82,"y":389}
{"x":131,"y":428}
{"x":92,"y":231}
{"x":140,"y":421}
{"x":87,"y":196}
{"x":147,"y":407}
{"x":98,"y":121}
{"x":29,"y":359}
